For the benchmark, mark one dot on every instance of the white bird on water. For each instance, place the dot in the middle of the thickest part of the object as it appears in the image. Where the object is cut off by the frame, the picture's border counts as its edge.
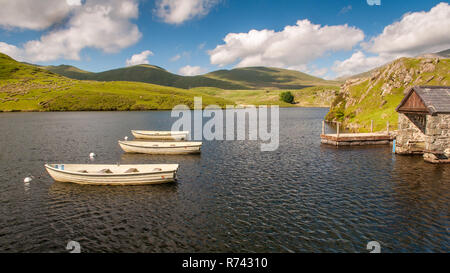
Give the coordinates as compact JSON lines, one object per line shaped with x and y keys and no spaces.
{"x":92,"y":155}
{"x":28,"y":179}
{"x":126,"y":138}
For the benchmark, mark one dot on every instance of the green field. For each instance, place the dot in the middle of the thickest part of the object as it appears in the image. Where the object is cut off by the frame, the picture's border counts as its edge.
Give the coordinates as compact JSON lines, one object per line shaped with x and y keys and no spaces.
{"x":29,"y":88}
{"x":25,"y":87}
{"x":317,"y":96}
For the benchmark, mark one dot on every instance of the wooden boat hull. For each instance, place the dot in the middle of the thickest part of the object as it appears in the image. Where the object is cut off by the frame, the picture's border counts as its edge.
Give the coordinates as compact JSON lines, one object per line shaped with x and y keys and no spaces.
{"x":161,"y":147}
{"x":165,"y":175}
{"x":153,"y":135}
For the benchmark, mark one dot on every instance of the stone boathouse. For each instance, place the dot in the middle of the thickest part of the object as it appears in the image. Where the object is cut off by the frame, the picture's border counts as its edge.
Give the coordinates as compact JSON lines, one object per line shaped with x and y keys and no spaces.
{"x":424,"y":123}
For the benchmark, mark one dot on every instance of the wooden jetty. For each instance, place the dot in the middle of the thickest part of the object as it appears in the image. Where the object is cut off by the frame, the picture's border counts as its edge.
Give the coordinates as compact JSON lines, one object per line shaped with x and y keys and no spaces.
{"x":356,"y":139}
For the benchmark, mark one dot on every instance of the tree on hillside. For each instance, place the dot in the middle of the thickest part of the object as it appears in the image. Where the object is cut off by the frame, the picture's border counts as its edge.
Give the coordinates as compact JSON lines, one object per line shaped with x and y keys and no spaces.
{"x":287,"y":97}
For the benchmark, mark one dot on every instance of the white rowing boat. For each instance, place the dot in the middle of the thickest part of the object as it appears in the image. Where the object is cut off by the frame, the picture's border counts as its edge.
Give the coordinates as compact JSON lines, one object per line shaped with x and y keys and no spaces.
{"x":93,"y":174}
{"x":161,"y":135}
{"x":143,"y":147}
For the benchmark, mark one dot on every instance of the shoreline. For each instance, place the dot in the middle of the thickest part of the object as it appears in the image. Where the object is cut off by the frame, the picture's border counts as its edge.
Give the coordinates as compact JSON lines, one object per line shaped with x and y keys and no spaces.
{"x":143,"y":110}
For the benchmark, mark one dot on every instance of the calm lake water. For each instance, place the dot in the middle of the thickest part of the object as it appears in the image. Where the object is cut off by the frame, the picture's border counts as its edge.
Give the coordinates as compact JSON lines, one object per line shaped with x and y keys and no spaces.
{"x":304,"y":197}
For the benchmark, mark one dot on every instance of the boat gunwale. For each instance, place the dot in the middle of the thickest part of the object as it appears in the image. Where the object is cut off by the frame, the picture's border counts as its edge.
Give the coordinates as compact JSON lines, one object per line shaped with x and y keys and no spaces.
{"x":198,"y":144}
{"x":47,"y":166}
{"x":163,"y":133}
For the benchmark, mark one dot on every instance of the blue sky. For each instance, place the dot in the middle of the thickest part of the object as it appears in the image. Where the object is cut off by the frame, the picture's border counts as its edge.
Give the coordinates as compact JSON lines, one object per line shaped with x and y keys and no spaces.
{"x":333,"y":38}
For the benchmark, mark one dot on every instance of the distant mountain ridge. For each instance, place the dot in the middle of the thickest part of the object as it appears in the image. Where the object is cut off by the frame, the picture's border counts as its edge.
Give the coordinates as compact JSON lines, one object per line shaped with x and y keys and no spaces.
{"x":269,"y":77}
{"x":442,"y":54}
{"x":235,"y":79}
{"x":142,"y":73}
{"x":25,"y":87}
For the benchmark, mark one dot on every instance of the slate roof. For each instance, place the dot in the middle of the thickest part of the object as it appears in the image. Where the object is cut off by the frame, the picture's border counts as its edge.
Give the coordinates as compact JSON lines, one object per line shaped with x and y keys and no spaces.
{"x":435,"y":98}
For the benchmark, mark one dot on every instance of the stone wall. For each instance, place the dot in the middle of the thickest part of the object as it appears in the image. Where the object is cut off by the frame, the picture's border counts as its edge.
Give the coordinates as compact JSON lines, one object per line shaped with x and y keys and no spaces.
{"x":419,"y":133}
{"x":410,"y":136}
{"x":438,"y":133}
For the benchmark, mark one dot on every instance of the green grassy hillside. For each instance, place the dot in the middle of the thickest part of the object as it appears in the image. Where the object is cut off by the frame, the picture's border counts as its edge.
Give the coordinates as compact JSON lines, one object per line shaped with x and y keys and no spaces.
{"x":26,"y":87}
{"x":444,"y":53}
{"x":375,"y":97}
{"x":143,"y":73}
{"x":317,"y":96}
{"x":69,"y":71}
{"x":268,"y":77}
{"x":235,"y":79}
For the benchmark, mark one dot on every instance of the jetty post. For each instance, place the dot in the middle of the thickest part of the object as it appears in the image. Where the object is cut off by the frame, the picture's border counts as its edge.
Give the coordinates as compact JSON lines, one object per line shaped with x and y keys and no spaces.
{"x":323,"y":127}
{"x":338,"y":125}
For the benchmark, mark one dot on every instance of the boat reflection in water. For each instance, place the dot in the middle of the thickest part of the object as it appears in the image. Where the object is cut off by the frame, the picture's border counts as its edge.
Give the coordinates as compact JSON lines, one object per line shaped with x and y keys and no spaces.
{"x":91,"y":194}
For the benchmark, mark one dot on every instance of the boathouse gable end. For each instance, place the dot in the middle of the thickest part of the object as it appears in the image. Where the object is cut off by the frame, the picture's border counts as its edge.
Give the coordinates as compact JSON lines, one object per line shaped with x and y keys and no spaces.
{"x":424,"y":123}
{"x":426,"y":99}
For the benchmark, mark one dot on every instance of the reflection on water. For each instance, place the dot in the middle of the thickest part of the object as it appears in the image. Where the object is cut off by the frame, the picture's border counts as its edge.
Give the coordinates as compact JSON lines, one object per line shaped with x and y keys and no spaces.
{"x":423,"y":198}
{"x":304,"y":197}
{"x":60,"y":191}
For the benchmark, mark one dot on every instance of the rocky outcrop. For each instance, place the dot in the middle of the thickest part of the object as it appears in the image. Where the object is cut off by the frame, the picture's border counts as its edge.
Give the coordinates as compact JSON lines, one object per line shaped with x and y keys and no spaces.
{"x":380,"y":92}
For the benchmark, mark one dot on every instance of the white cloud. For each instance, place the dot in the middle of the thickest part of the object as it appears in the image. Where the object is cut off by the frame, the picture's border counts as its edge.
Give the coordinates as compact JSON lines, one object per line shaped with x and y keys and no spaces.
{"x":35,"y":15}
{"x":11,"y":50}
{"x":179,"y":11}
{"x":101,"y":24}
{"x":175,"y":58}
{"x":201,"y":46}
{"x":321,"y":72}
{"x":184,"y":55}
{"x":358,"y":63}
{"x":416,"y":33}
{"x":141,"y":58}
{"x":346,"y":9}
{"x":191,"y":70}
{"x":293,"y":47}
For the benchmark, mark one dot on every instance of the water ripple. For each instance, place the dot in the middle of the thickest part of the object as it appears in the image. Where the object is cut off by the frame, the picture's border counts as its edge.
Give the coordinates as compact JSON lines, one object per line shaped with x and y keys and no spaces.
{"x":304,"y":197}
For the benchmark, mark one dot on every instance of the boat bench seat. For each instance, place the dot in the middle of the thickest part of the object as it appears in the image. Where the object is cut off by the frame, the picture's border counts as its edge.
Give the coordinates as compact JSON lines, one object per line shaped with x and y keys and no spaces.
{"x":105,"y":171}
{"x":132,"y":170}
